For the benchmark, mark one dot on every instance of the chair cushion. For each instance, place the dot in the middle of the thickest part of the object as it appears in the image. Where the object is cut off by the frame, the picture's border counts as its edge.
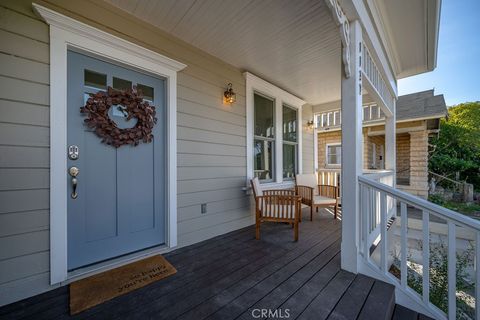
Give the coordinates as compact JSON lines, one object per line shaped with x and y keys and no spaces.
{"x":256,"y":187}
{"x":309,"y":180}
{"x":323,"y":200}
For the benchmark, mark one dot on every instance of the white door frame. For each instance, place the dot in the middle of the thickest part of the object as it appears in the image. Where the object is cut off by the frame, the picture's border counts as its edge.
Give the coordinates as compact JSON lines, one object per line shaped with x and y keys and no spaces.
{"x":67,"y":33}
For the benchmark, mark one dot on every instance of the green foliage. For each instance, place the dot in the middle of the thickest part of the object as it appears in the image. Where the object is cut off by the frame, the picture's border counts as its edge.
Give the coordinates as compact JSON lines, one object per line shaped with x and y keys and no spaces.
{"x":439,"y":279}
{"x":462,"y":207}
{"x":457,"y":148}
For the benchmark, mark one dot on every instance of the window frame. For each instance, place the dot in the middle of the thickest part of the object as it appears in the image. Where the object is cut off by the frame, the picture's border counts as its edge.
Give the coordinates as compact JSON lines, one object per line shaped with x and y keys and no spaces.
{"x":292,"y":143}
{"x":257,"y":85}
{"x":269,"y":139}
{"x":327,"y":162}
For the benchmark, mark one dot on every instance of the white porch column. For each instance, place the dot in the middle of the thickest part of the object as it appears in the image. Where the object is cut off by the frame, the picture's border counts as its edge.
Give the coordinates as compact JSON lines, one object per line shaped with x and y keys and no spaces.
{"x":390,"y":142}
{"x":352,"y":156}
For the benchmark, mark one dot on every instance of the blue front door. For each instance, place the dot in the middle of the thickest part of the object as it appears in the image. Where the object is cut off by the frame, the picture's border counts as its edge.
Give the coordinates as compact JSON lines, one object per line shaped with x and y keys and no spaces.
{"x":121,"y":202}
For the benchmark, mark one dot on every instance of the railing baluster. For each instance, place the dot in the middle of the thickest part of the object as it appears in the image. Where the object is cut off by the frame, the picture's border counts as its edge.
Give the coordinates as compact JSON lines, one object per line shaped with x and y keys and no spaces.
{"x":477,"y":274}
{"x":452,"y":281}
{"x":374,"y":207}
{"x":366,"y":247}
{"x":373,"y":213}
{"x":362,"y":214}
{"x":403,"y":244}
{"x":426,"y":257}
{"x":383,"y":230}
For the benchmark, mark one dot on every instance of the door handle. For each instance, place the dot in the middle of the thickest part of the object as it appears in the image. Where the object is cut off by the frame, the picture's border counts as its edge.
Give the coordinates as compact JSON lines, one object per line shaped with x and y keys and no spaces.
{"x":73,"y":171}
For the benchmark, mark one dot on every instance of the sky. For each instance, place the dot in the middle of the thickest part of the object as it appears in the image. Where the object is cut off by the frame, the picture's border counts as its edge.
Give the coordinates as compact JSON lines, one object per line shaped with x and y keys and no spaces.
{"x":457,"y":75}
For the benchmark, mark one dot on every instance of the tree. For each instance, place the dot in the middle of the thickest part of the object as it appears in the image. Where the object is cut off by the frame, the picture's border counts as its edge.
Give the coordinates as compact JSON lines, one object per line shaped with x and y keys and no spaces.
{"x":457,"y":148}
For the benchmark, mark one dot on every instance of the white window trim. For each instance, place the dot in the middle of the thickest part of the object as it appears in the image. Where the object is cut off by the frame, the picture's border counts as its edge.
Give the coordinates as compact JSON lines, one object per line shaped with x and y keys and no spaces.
{"x":330,"y":165}
{"x":256,"y":84}
{"x":67,"y":33}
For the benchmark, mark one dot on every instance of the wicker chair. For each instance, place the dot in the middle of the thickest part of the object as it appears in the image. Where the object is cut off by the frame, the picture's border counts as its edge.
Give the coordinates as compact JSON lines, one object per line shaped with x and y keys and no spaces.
{"x":275,"y":206}
{"x":315,"y":195}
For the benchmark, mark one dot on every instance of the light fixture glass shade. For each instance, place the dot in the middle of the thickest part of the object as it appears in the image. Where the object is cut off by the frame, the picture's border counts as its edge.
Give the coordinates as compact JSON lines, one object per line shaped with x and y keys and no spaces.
{"x":229,"y":96}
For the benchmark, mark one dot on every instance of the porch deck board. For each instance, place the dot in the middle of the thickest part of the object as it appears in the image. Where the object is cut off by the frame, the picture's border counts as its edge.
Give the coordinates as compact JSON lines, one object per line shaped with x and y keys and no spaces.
{"x":229,"y":276}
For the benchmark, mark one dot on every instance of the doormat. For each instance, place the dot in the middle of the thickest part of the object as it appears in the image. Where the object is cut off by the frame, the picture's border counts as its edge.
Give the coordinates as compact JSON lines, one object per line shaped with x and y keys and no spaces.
{"x":107,"y":285}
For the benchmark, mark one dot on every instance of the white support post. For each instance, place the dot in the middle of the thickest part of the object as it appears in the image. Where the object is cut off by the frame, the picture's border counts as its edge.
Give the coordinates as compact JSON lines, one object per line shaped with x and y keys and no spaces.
{"x":390,"y":143}
{"x":352,"y":144}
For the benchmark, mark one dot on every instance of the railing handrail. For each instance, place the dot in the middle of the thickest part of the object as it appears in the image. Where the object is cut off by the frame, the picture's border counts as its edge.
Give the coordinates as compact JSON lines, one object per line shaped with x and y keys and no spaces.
{"x":423,"y":204}
{"x":446,"y":178}
{"x":377,"y":174}
{"x":329,"y":169}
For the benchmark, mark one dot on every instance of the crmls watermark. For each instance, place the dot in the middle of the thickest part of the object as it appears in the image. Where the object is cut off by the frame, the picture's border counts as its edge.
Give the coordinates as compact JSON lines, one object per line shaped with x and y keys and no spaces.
{"x":271,"y":314}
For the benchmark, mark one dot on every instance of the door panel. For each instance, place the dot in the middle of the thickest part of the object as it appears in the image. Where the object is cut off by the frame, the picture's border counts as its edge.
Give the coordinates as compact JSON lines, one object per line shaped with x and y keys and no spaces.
{"x":121,"y":200}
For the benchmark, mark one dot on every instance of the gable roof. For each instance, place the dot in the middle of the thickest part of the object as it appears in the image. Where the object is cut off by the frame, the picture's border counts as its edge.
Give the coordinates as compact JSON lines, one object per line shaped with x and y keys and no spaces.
{"x":419,"y":105}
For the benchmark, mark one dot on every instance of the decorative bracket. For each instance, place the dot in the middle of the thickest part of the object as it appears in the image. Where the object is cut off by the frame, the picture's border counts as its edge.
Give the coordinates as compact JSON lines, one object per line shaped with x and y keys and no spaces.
{"x":342,"y":21}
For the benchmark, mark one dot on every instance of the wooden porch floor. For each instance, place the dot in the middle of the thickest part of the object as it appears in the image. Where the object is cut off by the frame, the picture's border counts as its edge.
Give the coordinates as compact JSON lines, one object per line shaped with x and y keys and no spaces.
{"x":233,"y":275}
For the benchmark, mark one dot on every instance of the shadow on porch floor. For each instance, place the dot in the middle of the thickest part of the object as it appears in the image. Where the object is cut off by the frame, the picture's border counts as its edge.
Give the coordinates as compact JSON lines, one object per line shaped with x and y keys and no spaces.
{"x":233,"y":276}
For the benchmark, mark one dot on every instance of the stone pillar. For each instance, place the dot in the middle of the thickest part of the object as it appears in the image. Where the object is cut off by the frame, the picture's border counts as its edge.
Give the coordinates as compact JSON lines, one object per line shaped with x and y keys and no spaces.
{"x":419,"y":163}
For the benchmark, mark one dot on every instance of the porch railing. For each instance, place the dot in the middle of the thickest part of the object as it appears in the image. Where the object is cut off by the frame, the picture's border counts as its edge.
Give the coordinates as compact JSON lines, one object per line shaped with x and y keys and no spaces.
{"x":403,"y":238}
{"x":329,"y":176}
{"x":372,"y":73}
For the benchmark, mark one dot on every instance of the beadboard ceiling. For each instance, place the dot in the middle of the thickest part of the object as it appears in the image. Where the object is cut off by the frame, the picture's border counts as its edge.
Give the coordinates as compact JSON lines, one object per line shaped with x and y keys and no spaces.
{"x":293,"y":44}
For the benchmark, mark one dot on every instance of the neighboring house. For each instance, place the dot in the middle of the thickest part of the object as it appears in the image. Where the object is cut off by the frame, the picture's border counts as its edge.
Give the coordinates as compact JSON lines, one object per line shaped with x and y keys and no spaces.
{"x":418,"y":117}
{"x":72,"y":206}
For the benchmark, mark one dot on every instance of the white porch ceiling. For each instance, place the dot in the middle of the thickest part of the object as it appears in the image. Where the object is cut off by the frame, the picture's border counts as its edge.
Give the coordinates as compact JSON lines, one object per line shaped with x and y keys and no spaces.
{"x":293,"y":44}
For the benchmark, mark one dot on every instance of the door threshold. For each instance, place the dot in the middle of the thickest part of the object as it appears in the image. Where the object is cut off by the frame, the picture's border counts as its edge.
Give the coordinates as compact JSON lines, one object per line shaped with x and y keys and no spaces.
{"x":93,"y":269}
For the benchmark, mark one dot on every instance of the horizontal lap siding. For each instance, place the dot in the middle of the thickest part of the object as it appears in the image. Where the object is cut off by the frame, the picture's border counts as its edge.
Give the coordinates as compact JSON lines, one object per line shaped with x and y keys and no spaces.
{"x":211,"y":159}
{"x":211,"y":141}
{"x":308,"y":157}
{"x":24,"y":152}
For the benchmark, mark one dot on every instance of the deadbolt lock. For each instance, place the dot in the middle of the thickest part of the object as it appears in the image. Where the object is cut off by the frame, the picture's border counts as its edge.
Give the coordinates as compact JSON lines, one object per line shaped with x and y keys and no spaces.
{"x":73,"y":152}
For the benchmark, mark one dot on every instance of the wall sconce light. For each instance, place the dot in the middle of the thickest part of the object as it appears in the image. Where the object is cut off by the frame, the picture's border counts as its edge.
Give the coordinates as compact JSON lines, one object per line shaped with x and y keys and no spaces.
{"x":310,"y":124}
{"x":229,"y":96}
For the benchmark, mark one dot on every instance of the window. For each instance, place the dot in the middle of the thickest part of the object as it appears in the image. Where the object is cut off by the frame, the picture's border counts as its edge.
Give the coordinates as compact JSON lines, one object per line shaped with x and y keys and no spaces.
{"x":264,"y":137}
{"x":329,"y":119}
{"x":372,"y":112}
{"x":334,"y":154}
{"x":324,"y":120}
{"x":366,"y":113}
{"x":274,"y":132}
{"x":337,"y":117}
{"x":289,"y":118}
{"x":95,"y":80}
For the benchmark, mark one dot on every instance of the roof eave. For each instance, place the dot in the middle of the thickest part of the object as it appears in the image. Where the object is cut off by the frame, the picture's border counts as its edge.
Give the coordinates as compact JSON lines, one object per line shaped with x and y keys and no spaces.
{"x":433,"y":30}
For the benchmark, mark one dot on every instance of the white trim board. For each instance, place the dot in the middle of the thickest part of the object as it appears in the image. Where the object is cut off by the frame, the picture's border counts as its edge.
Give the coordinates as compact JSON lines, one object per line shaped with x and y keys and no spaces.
{"x":256,"y":84}
{"x":67,"y":33}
